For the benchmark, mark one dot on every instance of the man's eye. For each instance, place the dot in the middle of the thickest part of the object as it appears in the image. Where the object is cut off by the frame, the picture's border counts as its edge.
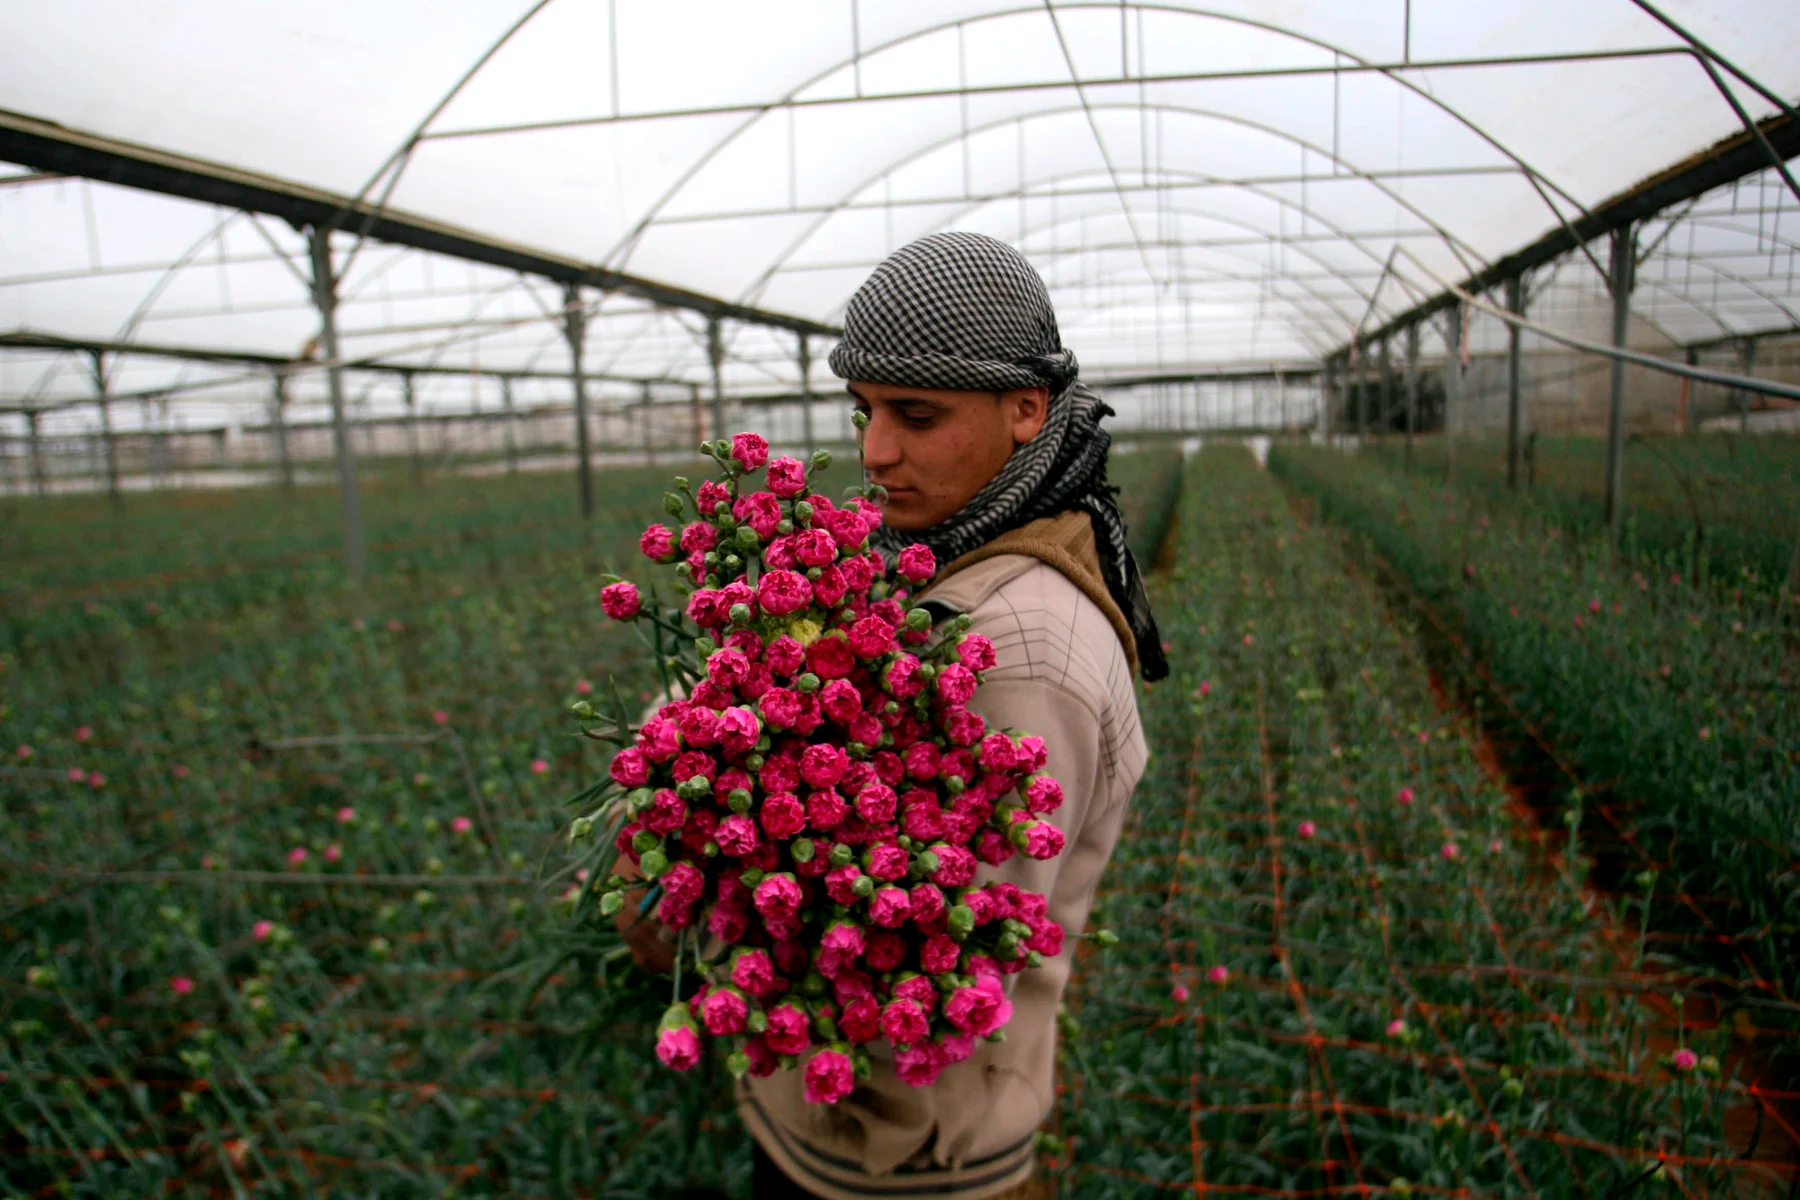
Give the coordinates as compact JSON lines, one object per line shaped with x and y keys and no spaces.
{"x":916,"y":419}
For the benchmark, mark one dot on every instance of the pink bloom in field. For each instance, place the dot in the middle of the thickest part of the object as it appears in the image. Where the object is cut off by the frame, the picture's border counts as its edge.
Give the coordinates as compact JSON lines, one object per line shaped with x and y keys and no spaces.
{"x":1424,"y":736}
{"x":1496,"y":846}
{"x":1684,"y":1059}
{"x":1593,"y":606}
{"x":1179,"y":993}
{"x":296,"y":856}
{"x":461,"y":825}
{"x":394,"y":625}
{"x":1249,"y":639}
{"x":1218,"y":975}
{"x":620,"y":600}
{"x":333,"y":852}
{"x":77,"y":775}
{"x":25,"y":751}
{"x":1168,"y":646}
{"x":1307,"y":829}
{"x":1705,"y":734}
{"x":83,"y":734}
{"x":1512,"y":610}
{"x":441,"y":717}
{"x":261,"y":930}
{"x":1205,"y":688}
{"x":1449,"y":850}
{"x":583,"y":688}
{"x":181,"y":985}
{"x":1665,"y":670}
{"x":179,"y":770}
{"x":1396,"y":1027}
{"x":1578,"y":620}
{"x":539,"y":766}
{"x":346,"y":815}
{"x":1406,"y":795}
{"x":96,"y":780}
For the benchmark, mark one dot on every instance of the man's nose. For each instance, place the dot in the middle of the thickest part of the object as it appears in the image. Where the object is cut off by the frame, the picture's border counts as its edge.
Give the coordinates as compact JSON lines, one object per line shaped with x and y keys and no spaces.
{"x":880,"y":445}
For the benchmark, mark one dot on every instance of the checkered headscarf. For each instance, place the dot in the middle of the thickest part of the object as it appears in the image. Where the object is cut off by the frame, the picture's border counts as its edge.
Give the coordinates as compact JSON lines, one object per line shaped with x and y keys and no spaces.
{"x":967,"y":312}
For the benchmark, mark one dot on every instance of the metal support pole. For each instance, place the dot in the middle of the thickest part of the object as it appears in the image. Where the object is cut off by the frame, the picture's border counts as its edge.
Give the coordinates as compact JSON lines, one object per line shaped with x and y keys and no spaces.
{"x":1515,"y":384}
{"x":1386,"y":421}
{"x":1620,"y":281}
{"x":325,"y":299}
{"x":806,"y":393}
{"x":1746,"y":366}
{"x":278,"y":422}
{"x":699,"y":416}
{"x":1452,"y":382}
{"x":38,"y":484}
{"x":98,"y":362}
{"x":1281,"y":398}
{"x":412,"y":423}
{"x":512,"y":444}
{"x":1688,"y":397}
{"x":575,"y":329}
{"x":647,"y":415}
{"x":1329,"y":396}
{"x":715,"y":353}
{"x":1412,"y":390}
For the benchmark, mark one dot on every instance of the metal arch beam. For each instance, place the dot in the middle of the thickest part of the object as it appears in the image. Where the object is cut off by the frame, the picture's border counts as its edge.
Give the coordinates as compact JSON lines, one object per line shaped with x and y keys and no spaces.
{"x":629,"y":241}
{"x":50,"y":147}
{"x":1728,"y":160}
{"x":1019,"y":119}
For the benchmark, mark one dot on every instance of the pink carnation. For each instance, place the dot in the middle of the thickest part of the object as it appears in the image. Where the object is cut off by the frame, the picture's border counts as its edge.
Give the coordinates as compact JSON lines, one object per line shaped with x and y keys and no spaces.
{"x":1043,"y":794}
{"x":782,"y":592}
{"x":738,"y":730}
{"x":1033,"y":754}
{"x":787,"y":477}
{"x":760,"y":511}
{"x":724,"y":1012}
{"x":711,"y":492}
{"x":736,"y":835}
{"x":753,"y":972}
{"x":620,"y":600}
{"x":887,"y":861}
{"x":904,"y":1023}
{"x":902,"y":677}
{"x":630,"y":768}
{"x":979,"y":1010}
{"x":789,"y":1031}
{"x":1043,"y":840}
{"x":750,"y":449}
{"x":783,"y":816}
{"x":781,"y":708}
{"x":678,"y":1048}
{"x":955,"y":684}
{"x":659,"y":739}
{"x":823,"y":765}
{"x":657,"y":543}
{"x":861,"y":1020}
{"x":890,"y":906}
{"x":815,"y":548}
{"x":784,"y":655}
{"x":831,"y":657}
{"x":939,"y":954}
{"x":683,"y":883}
{"x":956,"y":865}
{"x":829,"y":1076}
{"x":976,"y":652}
{"x":699,"y":537}
{"x":917,"y":563}
{"x":963,"y":727}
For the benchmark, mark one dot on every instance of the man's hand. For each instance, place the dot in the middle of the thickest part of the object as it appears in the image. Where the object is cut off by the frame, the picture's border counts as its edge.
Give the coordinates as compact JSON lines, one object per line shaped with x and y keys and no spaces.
{"x":652,"y":943}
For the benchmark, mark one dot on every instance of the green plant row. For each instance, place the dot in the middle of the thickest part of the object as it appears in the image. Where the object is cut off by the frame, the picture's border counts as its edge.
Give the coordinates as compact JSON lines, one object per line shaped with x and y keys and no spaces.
{"x":1716,"y":506}
{"x":1674,"y":705}
{"x":1345,"y":966}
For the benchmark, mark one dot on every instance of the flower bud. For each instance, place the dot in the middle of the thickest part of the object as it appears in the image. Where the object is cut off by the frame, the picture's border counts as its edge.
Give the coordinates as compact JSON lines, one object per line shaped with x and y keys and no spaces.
{"x":672,"y":504}
{"x":1007,"y":948}
{"x":681,"y":481}
{"x":961,"y":921}
{"x":864,"y":887}
{"x":653,"y":863}
{"x":860,"y":419}
{"x":746,"y":537}
{"x":738,"y":800}
{"x":740,"y":614}
{"x":737,"y":1062}
{"x":1106,"y":939}
{"x":752,"y":876}
{"x":813,"y":574}
{"x":840,"y":855}
{"x":757,"y":1021}
{"x":639,"y":799}
{"x":643,"y":841}
{"x":928,"y":862}
{"x":611,"y":903}
{"x":813,"y":984}
{"x":754,"y":762}
{"x":583,"y":710}
{"x":726,"y":522}
{"x":709,"y":850}
{"x":808,"y":682}
{"x":802,"y":850}
{"x":695,"y":787}
{"x":733,"y":562}
{"x":954,"y":784}
{"x":918,"y":620}
{"x":722,"y":509}
{"x":821,"y":459}
{"x":1033,"y":959}
{"x":580,"y":828}
{"x":784,"y":527}
{"x":803,"y":510}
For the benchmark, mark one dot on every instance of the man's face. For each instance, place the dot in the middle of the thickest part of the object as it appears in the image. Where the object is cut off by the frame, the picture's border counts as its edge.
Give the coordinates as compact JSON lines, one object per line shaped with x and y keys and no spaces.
{"x":934,"y":449}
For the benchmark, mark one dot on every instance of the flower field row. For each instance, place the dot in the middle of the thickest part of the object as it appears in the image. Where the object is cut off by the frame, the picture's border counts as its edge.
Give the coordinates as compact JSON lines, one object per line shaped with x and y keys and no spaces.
{"x":1674,"y":708}
{"x":1346,"y":965}
{"x":1716,"y":506}
{"x":270,"y":920}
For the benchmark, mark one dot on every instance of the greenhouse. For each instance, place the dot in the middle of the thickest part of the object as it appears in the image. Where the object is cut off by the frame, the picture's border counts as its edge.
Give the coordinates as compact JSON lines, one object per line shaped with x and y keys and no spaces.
{"x":1450,"y":532}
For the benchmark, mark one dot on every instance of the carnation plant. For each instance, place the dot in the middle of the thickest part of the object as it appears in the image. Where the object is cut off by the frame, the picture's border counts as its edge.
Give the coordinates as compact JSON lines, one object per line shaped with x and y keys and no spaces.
{"x":808,"y":807}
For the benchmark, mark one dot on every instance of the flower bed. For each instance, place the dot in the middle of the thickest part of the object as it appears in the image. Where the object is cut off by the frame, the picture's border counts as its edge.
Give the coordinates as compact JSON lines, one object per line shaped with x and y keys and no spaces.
{"x":1676,"y":707}
{"x":1345,"y":966}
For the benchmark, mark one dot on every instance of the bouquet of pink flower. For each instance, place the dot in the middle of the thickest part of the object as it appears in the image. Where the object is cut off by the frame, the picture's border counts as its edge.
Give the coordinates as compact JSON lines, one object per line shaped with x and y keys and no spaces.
{"x":812,"y":809}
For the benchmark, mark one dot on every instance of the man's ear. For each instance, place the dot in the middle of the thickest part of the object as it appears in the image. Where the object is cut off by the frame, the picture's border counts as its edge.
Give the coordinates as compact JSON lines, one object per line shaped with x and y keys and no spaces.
{"x":1030,"y":407}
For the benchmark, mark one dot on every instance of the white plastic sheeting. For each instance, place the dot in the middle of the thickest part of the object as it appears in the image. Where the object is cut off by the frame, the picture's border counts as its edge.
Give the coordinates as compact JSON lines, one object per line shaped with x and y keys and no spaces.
{"x":1206,"y":183}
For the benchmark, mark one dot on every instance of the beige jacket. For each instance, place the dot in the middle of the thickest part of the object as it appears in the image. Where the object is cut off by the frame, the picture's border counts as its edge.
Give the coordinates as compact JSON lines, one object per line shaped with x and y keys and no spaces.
{"x":1062,"y":673}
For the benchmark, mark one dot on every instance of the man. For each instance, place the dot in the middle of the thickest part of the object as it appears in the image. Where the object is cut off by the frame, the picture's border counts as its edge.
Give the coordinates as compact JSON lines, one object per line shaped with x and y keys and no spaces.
{"x":992,"y":454}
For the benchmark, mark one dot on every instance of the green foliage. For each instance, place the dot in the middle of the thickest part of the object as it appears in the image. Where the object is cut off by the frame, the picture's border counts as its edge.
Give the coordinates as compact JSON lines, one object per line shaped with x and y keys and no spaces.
{"x":1674,"y":704}
{"x":1269,"y":839}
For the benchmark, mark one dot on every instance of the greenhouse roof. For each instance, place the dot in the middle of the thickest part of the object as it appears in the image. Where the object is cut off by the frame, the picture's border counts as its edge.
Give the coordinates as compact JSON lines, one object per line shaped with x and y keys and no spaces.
{"x":1204,"y":186}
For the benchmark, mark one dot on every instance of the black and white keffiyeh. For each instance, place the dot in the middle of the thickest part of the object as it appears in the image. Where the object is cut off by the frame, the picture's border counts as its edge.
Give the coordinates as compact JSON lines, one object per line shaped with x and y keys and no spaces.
{"x":965,"y":311}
